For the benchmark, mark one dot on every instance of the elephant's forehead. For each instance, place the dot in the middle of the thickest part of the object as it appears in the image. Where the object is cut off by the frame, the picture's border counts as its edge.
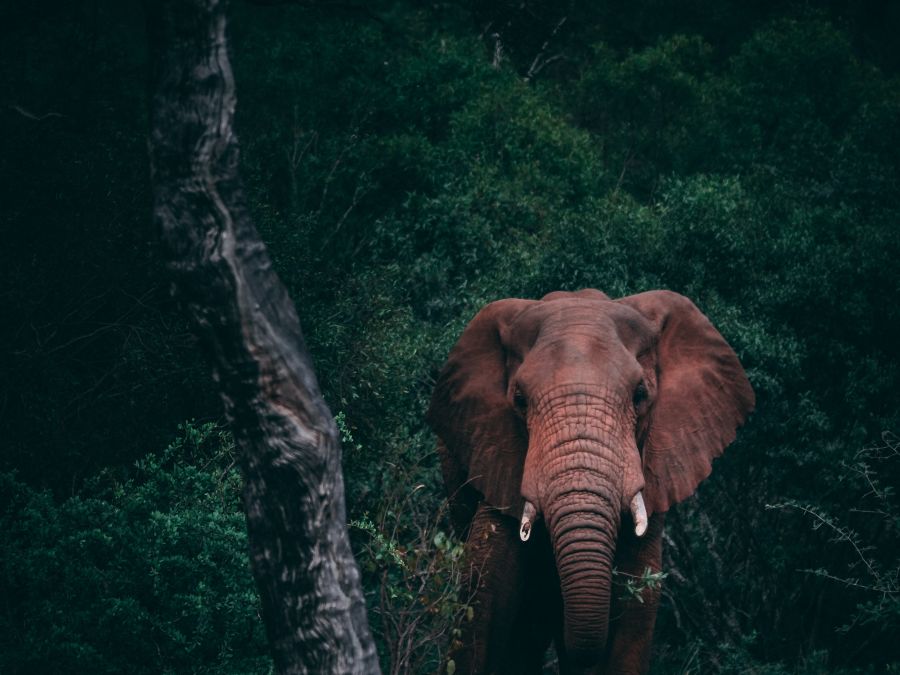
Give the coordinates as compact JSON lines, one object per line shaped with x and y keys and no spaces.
{"x":590,"y":319}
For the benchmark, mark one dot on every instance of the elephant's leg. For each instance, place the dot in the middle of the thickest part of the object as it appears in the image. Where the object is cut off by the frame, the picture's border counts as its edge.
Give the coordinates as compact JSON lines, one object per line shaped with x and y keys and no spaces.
{"x":492,"y":641}
{"x":541,"y":611}
{"x":632,"y":621}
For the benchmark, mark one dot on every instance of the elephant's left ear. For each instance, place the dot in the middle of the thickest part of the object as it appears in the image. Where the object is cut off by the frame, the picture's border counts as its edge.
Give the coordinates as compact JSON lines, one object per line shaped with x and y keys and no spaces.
{"x":702,"y":397}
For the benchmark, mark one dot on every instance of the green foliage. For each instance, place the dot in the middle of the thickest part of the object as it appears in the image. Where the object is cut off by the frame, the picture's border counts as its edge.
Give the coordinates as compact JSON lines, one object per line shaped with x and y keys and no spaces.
{"x":632,"y":586}
{"x":413,"y":571}
{"x":145,"y":575}
{"x":417,"y":597}
{"x":381,"y":549}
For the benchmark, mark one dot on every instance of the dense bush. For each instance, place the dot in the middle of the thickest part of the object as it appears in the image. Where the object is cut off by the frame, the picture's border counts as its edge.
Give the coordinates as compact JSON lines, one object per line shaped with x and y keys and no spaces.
{"x":404,"y":172}
{"x":144,"y":575}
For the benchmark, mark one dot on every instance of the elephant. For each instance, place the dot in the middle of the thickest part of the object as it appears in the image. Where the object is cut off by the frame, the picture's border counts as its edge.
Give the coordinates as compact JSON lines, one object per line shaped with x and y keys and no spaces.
{"x":567,"y":427}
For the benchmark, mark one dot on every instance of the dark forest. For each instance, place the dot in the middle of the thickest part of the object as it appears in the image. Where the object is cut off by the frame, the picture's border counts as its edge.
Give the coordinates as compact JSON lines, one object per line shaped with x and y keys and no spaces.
{"x":407,"y":163}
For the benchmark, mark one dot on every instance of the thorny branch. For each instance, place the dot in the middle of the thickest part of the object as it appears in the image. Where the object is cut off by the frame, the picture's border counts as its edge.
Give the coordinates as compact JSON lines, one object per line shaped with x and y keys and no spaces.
{"x":887,"y":584}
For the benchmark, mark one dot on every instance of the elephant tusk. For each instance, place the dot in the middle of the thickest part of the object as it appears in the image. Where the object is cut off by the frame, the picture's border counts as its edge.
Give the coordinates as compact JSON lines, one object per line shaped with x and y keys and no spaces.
{"x":639,"y":514}
{"x":528,"y":514}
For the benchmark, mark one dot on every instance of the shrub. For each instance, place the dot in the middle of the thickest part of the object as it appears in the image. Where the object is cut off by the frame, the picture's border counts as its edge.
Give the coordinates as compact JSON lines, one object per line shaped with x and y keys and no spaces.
{"x":413,"y":572}
{"x":147,"y":574}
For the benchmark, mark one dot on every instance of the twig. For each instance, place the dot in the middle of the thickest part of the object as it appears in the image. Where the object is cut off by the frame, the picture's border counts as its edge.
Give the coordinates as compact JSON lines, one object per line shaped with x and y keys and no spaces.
{"x":38,"y":118}
{"x":540,"y":61}
{"x":843,"y":533}
{"x":330,"y":176}
{"x":353,"y":203}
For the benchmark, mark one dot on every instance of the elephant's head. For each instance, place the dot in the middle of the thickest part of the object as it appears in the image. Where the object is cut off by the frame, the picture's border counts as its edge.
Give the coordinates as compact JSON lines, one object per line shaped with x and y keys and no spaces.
{"x":591,"y":413}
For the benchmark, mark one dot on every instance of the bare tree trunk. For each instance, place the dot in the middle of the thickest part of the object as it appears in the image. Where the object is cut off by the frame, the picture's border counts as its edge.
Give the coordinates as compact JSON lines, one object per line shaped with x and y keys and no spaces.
{"x":312,"y":600}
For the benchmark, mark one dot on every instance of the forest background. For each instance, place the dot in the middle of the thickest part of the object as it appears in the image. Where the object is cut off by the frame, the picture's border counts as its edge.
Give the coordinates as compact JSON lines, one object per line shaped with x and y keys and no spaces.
{"x":406,"y":163}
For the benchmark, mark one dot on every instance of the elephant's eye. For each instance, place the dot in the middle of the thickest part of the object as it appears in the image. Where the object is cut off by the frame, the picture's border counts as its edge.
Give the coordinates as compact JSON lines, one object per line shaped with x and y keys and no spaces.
{"x":640,"y":394}
{"x":519,"y":400}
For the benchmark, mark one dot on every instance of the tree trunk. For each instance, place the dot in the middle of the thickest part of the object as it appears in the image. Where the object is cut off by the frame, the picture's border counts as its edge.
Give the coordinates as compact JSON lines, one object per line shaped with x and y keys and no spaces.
{"x":312,"y":600}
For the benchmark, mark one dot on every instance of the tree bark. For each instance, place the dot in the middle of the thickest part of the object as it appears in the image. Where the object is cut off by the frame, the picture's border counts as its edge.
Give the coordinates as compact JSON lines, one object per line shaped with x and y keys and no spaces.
{"x":312,"y":600}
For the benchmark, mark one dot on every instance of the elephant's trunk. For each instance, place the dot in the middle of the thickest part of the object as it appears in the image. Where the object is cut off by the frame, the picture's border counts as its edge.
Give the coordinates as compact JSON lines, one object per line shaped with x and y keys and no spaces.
{"x":574,"y":474}
{"x":583,"y":525}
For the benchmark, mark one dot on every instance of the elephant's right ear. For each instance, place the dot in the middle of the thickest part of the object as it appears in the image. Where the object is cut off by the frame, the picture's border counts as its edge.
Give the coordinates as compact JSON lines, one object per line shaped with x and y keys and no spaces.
{"x":485,"y":440}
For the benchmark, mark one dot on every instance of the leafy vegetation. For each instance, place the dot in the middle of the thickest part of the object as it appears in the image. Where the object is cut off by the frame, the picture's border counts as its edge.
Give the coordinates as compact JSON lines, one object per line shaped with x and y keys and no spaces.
{"x":407,"y":163}
{"x":146,"y":575}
